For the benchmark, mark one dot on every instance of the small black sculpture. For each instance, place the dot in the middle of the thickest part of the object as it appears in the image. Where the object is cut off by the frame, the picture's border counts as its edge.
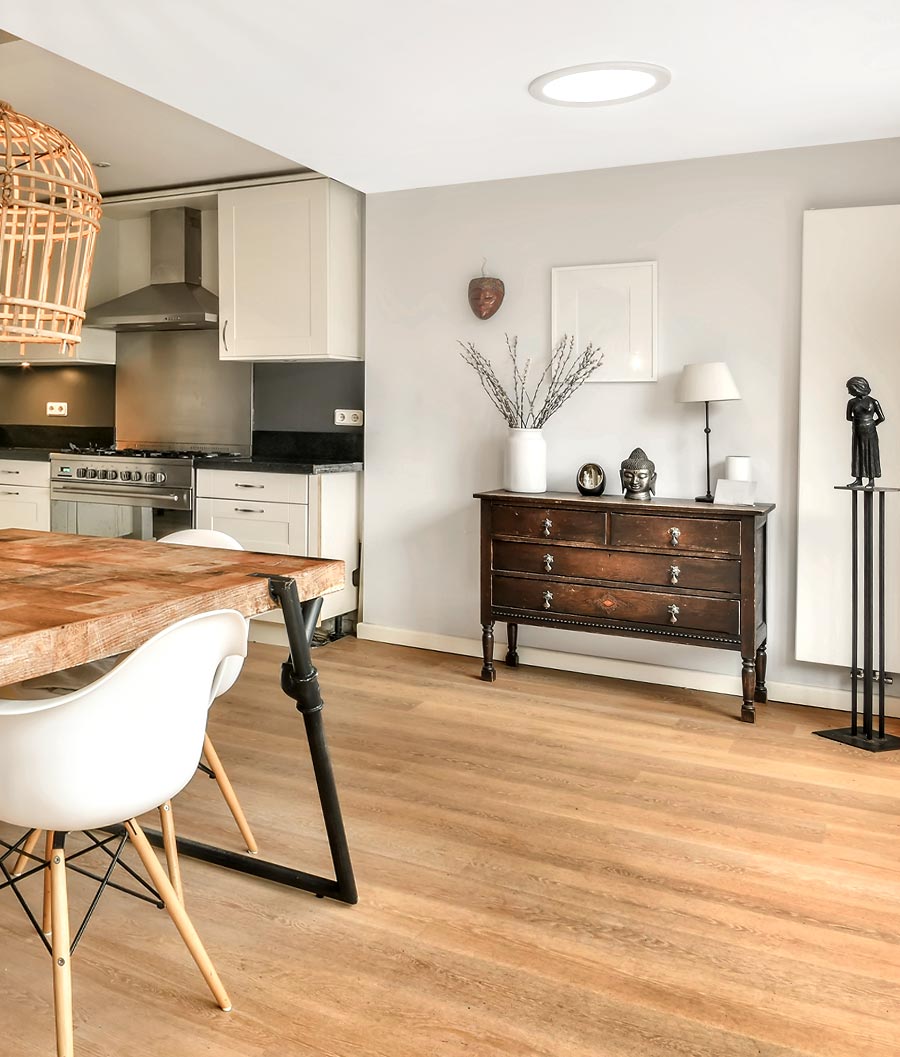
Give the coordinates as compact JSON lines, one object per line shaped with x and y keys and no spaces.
{"x":591,"y":480}
{"x":864,"y":411}
{"x":638,"y":476}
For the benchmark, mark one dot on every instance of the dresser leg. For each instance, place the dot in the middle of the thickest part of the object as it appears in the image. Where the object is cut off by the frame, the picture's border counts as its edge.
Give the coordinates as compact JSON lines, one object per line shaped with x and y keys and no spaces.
{"x":762,"y":693}
{"x":512,"y":639}
{"x":488,"y":672}
{"x":748,"y":683}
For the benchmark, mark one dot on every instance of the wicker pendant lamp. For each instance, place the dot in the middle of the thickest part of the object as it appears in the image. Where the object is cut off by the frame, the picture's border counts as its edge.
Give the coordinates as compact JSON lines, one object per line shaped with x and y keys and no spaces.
{"x":49,"y":219}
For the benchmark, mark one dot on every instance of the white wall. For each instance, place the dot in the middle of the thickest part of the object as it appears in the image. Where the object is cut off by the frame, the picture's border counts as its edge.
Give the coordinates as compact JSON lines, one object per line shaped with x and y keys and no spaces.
{"x":727,"y":235}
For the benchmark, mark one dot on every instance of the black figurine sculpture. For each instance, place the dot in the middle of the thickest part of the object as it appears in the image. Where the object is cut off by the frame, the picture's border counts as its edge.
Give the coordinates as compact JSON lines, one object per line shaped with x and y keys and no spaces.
{"x":864,"y":411}
{"x":638,"y":476}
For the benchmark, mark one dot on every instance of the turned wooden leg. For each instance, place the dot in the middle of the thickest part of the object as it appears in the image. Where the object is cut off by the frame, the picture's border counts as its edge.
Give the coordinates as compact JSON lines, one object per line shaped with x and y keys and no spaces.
{"x":227,"y":791}
{"x":748,"y":683}
{"x":170,"y":846}
{"x":62,"y":970}
{"x":762,"y":693}
{"x":512,"y":639}
{"x":488,"y":672}
{"x":47,"y":919}
{"x":24,"y":859}
{"x":177,"y":913}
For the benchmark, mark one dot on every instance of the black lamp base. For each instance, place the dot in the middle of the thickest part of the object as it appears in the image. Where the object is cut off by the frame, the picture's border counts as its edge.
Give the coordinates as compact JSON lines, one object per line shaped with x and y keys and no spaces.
{"x":704,"y":498}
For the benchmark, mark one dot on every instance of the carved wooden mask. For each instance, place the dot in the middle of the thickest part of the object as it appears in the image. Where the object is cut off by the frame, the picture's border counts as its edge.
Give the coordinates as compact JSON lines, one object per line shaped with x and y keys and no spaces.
{"x":486,"y":295}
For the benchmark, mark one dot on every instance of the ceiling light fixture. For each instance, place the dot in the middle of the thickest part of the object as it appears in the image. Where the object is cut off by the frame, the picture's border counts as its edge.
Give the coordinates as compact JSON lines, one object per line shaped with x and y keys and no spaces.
{"x":600,"y":83}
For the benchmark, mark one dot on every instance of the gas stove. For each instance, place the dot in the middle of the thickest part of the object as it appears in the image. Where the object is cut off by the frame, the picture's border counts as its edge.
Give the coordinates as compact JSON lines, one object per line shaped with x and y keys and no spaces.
{"x":150,"y":453}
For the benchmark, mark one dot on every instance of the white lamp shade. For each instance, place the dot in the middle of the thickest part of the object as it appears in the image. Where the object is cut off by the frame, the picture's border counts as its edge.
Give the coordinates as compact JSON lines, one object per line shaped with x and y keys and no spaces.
{"x":706,"y":381}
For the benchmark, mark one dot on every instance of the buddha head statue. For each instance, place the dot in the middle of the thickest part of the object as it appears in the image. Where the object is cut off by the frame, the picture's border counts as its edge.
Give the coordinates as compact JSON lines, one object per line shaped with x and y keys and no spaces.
{"x":638,"y":476}
{"x":486,"y":295}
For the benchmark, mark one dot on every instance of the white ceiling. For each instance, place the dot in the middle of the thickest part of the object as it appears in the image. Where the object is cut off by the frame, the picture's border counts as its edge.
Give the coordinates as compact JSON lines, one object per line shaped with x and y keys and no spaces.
{"x":395,"y":93}
{"x":147,"y":143}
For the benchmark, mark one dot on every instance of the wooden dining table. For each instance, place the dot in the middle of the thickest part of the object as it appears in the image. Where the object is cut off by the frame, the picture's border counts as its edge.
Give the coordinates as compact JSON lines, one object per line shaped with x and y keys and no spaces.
{"x":66,"y":600}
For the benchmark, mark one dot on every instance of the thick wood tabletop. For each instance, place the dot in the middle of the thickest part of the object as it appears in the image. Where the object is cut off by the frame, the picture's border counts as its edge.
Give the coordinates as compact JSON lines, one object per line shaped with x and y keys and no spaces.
{"x":67,"y":599}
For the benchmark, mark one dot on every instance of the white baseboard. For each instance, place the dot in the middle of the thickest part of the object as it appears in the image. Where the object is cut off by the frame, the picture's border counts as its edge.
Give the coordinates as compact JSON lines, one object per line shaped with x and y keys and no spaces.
{"x":792,"y":693}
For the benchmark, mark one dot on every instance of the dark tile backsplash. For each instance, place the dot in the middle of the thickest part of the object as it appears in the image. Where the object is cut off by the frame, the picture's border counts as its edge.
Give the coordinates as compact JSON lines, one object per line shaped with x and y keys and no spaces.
{"x":308,"y":447}
{"x":90,"y":392}
{"x":304,"y":396}
{"x":56,"y":438}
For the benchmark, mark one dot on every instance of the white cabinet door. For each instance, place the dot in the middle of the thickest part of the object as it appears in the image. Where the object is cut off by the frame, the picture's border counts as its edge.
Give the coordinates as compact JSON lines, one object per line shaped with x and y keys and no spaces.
{"x":290,"y":268}
{"x":24,"y":507}
{"x":271,"y":528}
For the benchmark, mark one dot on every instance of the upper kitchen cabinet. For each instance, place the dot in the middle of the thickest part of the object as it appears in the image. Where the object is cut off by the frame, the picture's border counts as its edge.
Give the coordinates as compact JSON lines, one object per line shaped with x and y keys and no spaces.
{"x":290,"y":272}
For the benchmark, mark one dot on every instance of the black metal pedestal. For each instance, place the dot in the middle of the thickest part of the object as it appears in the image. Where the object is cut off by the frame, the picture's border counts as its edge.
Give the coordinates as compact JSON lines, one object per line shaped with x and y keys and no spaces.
{"x":299,"y":680}
{"x":867,"y":736}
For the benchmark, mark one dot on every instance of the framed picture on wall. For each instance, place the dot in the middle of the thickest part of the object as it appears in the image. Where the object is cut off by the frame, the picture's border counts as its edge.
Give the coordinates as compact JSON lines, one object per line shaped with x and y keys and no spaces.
{"x":613,"y":306}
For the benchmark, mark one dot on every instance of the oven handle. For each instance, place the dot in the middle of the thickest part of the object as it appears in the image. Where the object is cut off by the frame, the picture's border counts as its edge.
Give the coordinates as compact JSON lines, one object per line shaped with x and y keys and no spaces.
{"x":112,"y":493}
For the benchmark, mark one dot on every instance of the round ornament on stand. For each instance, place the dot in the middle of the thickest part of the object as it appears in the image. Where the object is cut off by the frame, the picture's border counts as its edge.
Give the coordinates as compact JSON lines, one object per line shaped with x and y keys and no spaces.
{"x":590,"y":479}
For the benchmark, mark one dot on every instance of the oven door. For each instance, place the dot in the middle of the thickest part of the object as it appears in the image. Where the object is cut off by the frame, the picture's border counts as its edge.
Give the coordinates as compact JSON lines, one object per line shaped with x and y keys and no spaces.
{"x":135,"y":513}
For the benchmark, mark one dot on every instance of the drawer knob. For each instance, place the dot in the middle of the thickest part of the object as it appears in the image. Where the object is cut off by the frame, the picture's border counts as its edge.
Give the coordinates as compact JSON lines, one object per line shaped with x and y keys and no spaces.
{"x":546,"y":525}
{"x":674,"y":573}
{"x":674,"y":536}
{"x":548,"y":598}
{"x":548,"y":562}
{"x":673,"y":614}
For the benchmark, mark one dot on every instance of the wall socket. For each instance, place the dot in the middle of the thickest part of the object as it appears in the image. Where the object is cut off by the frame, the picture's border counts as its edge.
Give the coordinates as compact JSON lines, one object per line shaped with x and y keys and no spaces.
{"x":57,"y":408}
{"x":342,"y":417}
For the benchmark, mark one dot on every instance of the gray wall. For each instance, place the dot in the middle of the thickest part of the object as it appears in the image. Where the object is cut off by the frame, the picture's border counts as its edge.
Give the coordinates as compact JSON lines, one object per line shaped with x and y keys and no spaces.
{"x":727,"y":235}
{"x":303,"y":396}
{"x":90,"y":393}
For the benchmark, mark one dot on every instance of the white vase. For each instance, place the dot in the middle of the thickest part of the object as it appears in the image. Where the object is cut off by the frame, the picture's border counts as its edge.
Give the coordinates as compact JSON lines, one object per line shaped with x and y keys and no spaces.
{"x":526,"y":461}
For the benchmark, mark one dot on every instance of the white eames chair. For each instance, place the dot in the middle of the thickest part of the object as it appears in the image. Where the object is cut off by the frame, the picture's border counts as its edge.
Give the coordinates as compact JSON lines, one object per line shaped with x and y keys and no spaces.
{"x":230,"y":673}
{"x":109,"y":752}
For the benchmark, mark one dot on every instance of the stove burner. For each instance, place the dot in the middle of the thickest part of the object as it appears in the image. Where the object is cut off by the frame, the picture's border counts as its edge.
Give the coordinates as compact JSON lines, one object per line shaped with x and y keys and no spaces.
{"x":150,"y":453}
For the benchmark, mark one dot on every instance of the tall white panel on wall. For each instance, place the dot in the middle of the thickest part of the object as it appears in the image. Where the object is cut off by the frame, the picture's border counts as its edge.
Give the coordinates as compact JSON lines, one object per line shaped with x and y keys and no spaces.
{"x":850,"y":325}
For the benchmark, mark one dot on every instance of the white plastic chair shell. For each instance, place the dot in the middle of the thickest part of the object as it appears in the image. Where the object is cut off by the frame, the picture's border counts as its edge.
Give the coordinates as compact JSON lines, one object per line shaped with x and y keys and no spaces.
{"x":224,"y":542}
{"x":124,"y":744}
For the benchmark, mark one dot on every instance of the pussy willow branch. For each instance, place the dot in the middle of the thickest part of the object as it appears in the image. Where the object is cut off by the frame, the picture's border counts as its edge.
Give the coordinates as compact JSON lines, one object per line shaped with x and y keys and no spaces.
{"x":563,"y":375}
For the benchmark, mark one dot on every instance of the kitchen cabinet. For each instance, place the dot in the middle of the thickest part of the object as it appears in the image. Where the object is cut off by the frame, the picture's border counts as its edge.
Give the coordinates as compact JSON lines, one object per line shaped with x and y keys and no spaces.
{"x":24,"y":494}
{"x":290,"y":272}
{"x":315,"y":515}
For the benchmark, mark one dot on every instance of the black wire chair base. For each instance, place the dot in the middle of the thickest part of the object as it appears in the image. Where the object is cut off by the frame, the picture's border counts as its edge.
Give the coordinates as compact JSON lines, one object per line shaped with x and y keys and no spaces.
{"x":104,"y":880}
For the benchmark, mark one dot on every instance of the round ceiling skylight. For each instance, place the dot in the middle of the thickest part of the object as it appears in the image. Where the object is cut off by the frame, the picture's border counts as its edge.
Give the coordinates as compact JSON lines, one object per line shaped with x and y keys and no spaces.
{"x":599,"y":83}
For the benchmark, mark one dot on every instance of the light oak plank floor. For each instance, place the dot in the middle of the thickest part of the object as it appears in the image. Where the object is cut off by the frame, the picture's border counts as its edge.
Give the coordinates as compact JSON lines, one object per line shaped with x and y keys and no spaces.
{"x":553,"y":866}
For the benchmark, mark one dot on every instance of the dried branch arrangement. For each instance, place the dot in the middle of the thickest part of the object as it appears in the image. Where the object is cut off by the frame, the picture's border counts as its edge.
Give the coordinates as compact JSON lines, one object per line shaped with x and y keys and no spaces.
{"x":563,"y":375}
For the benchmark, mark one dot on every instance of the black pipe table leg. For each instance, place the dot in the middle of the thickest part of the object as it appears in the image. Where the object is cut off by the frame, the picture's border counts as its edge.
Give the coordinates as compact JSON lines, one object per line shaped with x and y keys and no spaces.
{"x":300,"y":681}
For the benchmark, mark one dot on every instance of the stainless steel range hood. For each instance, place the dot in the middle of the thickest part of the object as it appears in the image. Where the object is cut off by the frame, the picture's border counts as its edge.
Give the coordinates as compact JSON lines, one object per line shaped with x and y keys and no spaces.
{"x":174,"y":300}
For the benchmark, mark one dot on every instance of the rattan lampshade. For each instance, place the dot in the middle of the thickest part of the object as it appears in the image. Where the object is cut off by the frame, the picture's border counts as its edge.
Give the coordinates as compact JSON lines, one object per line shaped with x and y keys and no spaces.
{"x":49,"y":219}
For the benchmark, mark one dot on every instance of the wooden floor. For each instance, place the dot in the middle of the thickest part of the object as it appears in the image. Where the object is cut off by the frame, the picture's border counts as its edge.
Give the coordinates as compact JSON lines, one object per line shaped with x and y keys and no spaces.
{"x":553,"y":866}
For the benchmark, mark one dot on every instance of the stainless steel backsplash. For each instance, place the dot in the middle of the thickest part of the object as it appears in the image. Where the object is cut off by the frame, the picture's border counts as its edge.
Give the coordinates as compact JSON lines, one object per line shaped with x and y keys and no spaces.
{"x":173,"y":391}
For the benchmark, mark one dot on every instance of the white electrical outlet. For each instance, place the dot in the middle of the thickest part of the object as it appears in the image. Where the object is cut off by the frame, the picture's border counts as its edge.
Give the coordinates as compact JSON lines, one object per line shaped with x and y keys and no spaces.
{"x":342,"y":417}
{"x":57,"y":408}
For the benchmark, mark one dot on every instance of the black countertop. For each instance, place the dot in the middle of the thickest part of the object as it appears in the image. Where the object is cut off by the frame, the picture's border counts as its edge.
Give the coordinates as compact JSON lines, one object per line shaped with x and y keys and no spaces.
{"x":31,"y":454}
{"x":261,"y":464}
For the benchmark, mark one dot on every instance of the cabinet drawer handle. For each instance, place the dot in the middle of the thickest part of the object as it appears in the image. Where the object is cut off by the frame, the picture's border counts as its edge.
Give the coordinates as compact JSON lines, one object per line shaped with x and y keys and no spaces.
{"x":247,"y":510}
{"x":548,"y":598}
{"x":546,"y":525}
{"x":15,"y":472}
{"x":249,"y":485}
{"x":8,"y":493}
{"x":673,"y":614}
{"x":548,"y":562}
{"x":674,"y":536}
{"x":674,"y":573}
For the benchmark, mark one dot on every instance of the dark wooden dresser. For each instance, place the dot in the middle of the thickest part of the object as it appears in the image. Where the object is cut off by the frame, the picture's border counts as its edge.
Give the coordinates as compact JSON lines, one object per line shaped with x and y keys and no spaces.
{"x":669,"y":569}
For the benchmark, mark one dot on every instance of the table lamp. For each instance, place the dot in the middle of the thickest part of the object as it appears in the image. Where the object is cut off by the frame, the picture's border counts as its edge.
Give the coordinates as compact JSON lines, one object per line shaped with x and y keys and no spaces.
{"x":701,"y":383}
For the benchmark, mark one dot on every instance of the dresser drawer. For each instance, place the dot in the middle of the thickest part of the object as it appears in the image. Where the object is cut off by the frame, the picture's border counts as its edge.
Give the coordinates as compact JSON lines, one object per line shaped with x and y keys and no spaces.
{"x":698,"y":574}
{"x":617,"y":604}
{"x":580,"y":526}
{"x":675,"y":533}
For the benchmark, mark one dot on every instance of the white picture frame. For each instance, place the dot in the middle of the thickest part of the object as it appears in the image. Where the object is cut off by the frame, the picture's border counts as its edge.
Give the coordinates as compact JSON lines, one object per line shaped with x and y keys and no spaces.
{"x":613,"y":306}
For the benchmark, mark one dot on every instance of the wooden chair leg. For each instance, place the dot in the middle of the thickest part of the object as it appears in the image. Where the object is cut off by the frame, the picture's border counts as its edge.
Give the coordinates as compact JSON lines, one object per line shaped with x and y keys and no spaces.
{"x":170,"y":844}
{"x":62,"y":970}
{"x":47,"y":918}
{"x":177,"y":913}
{"x":24,"y":859}
{"x":227,"y":790}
